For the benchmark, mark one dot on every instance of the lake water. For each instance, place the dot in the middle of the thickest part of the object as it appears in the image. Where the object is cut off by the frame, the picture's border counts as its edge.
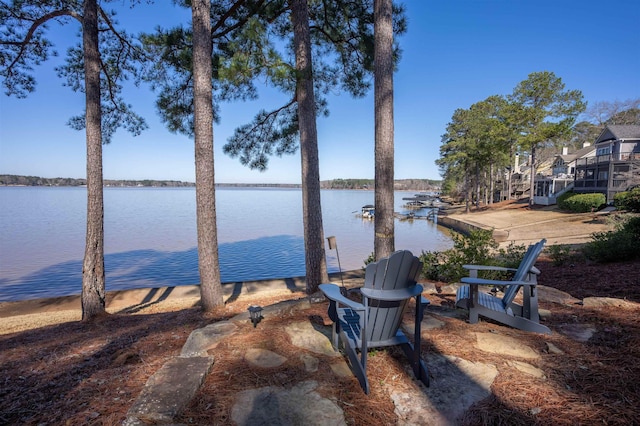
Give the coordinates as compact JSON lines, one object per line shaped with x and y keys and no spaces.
{"x":150,"y":236}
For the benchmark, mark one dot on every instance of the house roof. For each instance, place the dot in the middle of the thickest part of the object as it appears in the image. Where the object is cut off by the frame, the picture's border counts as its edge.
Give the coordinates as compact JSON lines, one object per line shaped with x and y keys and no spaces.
{"x":577,"y":154}
{"x":619,"y":131}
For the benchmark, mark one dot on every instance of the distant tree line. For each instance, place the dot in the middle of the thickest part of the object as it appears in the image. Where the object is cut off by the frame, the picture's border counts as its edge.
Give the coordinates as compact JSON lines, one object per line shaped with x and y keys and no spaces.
{"x":258,"y":185}
{"x":15,"y":180}
{"x":399,"y":184}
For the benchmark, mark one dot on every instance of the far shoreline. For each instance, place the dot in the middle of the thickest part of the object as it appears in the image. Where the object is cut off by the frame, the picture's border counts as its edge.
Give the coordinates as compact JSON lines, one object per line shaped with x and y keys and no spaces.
{"x":413,"y":184}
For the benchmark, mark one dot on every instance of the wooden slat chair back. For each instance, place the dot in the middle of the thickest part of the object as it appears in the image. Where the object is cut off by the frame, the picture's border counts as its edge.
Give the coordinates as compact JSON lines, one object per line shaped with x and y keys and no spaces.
{"x":524,"y":269}
{"x":389,"y":285}
{"x":398,"y":272}
{"x":505,"y":309}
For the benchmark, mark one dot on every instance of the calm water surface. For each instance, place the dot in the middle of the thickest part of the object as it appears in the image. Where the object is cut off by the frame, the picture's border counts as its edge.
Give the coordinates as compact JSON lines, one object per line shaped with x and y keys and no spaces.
{"x":150,"y":236}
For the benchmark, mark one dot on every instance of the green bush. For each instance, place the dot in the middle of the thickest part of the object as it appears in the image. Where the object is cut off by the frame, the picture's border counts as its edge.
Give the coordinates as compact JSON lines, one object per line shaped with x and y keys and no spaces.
{"x":628,"y":200}
{"x":441,"y":265}
{"x":370,"y":259}
{"x":581,"y":203}
{"x":632,"y":226}
{"x":559,"y":254}
{"x":476,"y":248}
{"x":512,"y":255}
{"x":633,"y":201}
{"x":621,"y":244}
{"x":561,"y":199}
{"x":430,"y":264}
{"x":509,"y":257}
{"x":620,"y":200}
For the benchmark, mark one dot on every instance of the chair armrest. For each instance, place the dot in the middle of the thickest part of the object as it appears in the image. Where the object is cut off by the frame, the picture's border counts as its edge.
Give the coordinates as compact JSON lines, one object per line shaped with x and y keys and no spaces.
{"x":332,"y":291}
{"x":392,"y":295}
{"x":488,"y":268}
{"x":533,"y":269}
{"x":482,"y":281}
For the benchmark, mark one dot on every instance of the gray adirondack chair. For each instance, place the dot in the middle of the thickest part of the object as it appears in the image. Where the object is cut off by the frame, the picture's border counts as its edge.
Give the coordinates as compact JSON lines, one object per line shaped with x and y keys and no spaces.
{"x":504,"y":309}
{"x":388,"y":286}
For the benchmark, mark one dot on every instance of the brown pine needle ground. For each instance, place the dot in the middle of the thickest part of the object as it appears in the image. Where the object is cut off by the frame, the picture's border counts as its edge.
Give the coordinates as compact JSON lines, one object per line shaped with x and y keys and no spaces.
{"x":79,"y":373}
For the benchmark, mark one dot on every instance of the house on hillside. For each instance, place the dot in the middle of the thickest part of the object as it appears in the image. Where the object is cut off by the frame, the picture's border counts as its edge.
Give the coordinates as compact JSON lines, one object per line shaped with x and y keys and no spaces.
{"x":564,"y":165}
{"x":514,"y":184}
{"x":616,"y":164}
{"x":562,"y":174}
{"x":517,"y":179}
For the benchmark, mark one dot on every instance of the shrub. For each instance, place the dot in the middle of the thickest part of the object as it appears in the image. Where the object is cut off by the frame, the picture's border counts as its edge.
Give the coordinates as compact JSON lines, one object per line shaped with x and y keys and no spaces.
{"x":443,"y":266}
{"x":633,"y":201}
{"x":620,"y":200}
{"x":430,"y":264}
{"x":509,"y":257}
{"x":563,"y":197}
{"x":370,"y":259}
{"x":559,"y":254}
{"x":628,"y":200}
{"x":581,"y":203}
{"x":476,"y":248}
{"x":621,"y":244}
{"x":632,"y":227}
{"x":512,"y":255}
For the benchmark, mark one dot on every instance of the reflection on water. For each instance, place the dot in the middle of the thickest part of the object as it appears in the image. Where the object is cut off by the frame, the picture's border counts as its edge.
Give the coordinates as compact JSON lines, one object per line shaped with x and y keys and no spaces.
{"x":150,"y":236}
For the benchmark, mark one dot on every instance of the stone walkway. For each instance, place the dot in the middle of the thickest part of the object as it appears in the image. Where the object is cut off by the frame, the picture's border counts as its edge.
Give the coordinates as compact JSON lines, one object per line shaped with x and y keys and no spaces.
{"x":456,"y":383}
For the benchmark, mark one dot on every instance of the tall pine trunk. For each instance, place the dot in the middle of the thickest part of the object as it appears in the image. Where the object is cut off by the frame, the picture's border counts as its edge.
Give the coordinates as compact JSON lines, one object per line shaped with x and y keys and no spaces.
{"x":492,"y":183}
{"x":532,"y":176}
{"x":316,"y":266}
{"x":511,"y":171}
{"x":384,"y":243}
{"x":477,"y":186}
{"x":208,"y":262}
{"x":93,"y":281}
{"x":467,"y":191}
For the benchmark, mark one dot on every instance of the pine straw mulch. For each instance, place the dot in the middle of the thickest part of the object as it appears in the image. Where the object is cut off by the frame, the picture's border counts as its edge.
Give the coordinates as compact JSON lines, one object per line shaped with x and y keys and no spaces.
{"x":90,"y":373}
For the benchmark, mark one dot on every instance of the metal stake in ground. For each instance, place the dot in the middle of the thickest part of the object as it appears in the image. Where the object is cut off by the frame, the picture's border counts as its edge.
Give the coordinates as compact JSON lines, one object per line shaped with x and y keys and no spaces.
{"x":333,"y":245}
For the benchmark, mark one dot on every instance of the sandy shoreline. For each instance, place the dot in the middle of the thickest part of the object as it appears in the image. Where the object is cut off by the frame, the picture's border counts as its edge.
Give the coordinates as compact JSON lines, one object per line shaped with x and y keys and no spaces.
{"x":26,"y":314}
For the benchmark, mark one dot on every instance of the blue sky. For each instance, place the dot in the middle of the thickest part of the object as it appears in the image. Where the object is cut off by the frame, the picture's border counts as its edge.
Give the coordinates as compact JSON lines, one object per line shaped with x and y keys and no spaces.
{"x":455,"y":53}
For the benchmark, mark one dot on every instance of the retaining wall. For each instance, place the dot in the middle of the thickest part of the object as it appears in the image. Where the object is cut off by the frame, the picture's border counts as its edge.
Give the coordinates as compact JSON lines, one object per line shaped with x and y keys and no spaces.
{"x":464,"y":227}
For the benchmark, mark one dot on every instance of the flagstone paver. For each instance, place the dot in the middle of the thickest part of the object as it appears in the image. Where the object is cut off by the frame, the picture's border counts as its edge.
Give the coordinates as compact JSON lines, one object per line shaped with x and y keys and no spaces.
{"x":527,"y":369}
{"x":278,"y":406}
{"x":264,"y":358}
{"x":504,"y":345}
{"x":578,"y":332}
{"x":303,"y":334}
{"x":169,"y":391}
{"x":201,"y":340}
{"x":609,"y":302}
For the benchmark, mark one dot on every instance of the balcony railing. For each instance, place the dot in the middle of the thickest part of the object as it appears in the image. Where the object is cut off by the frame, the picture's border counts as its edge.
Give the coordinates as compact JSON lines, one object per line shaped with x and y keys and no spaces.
{"x":607,"y":158}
